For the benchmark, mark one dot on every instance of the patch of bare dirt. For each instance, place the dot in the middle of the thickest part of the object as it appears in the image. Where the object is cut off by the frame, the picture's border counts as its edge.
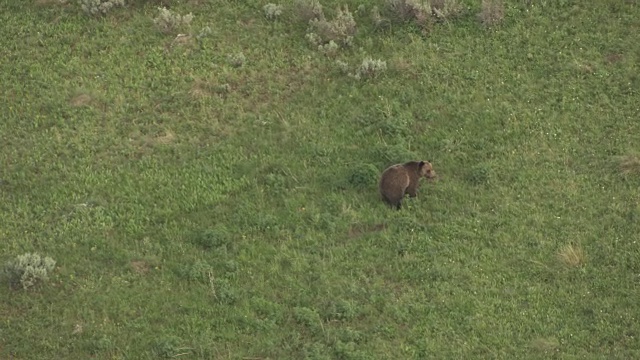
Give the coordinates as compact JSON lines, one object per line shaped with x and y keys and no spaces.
{"x":140,"y":266}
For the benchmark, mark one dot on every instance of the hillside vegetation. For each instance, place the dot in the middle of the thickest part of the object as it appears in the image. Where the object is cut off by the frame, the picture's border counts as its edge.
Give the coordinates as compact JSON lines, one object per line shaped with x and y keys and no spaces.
{"x":201,"y":181}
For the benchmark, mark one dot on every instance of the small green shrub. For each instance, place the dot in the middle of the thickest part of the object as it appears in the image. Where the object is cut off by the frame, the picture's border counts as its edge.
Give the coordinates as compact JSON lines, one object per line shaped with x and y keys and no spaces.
{"x":99,"y":7}
{"x":479,"y":175}
{"x":341,"y":310}
{"x":28,"y":270}
{"x":167,"y":347}
{"x":103,"y":344}
{"x":168,"y":21}
{"x":272,"y":11}
{"x":316,"y":351}
{"x":363,"y":176}
{"x":212,"y":238}
{"x":339,"y":30}
{"x":308,"y":317}
{"x":222,"y":291}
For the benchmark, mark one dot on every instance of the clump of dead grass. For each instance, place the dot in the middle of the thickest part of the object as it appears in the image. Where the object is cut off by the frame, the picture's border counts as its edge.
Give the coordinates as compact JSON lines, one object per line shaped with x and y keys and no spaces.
{"x":572,"y":256}
{"x":492,"y":12}
{"x":548,"y":345}
{"x":629,"y":164}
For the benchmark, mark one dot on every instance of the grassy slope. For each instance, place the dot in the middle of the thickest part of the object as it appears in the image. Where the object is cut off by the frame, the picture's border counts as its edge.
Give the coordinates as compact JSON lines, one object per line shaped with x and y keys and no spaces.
{"x":188,"y":220}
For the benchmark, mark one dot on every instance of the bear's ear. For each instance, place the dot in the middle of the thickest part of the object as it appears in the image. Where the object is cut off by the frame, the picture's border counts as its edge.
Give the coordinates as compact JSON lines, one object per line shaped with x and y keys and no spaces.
{"x":421,"y":164}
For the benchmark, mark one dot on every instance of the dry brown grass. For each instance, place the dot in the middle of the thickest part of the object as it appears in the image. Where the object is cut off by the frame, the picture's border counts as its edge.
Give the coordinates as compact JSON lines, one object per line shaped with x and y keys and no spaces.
{"x":629,"y":164}
{"x":492,"y":12}
{"x":543,"y":345}
{"x":362,"y":229}
{"x":165,"y":139}
{"x":613,"y":58}
{"x":51,"y":2}
{"x":200,"y":89}
{"x":140,"y":266}
{"x":572,"y":256}
{"x":80,"y":100}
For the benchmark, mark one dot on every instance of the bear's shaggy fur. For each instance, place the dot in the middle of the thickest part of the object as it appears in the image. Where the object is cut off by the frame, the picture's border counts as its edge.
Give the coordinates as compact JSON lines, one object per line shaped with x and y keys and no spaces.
{"x":401,"y":179}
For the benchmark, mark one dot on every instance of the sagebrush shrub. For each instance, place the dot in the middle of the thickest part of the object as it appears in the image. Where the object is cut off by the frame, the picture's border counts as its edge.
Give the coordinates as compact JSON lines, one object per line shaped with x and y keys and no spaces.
{"x":28,"y":270}
{"x":379,"y":22}
{"x":423,"y":11}
{"x":308,"y":10}
{"x":330,"y":49}
{"x":339,"y":30}
{"x":370,"y":68}
{"x":272,"y":11}
{"x":343,"y":66}
{"x":99,"y":7}
{"x":418,"y":11}
{"x":168,"y":21}
{"x":236,"y":60}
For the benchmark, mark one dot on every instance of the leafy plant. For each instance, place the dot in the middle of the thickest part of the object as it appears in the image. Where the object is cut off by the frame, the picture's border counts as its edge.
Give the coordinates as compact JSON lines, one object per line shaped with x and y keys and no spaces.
{"x":212,"y":238}
{"x":28,"y":270}
{"x":168,"y":347}
{"x":479,"y":175}
{"x":363,"y":176}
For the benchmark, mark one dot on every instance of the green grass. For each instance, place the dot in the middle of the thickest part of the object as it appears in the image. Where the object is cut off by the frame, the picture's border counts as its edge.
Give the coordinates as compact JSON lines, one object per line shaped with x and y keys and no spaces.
{"x":205,"y":211}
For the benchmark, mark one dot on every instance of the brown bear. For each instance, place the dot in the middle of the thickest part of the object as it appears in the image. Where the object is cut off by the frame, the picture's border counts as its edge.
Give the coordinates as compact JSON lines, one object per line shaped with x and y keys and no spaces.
{"x":401,"y":179}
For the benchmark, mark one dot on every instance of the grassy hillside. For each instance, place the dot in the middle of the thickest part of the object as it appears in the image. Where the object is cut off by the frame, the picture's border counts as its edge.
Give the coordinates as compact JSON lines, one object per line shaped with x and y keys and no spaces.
{"x":213,"y":196}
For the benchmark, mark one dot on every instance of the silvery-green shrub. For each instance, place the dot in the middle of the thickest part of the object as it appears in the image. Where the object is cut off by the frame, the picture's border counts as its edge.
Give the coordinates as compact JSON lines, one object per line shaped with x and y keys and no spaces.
{"x":97,"y":7}
{"x":272,"y":11}
{"x":168,"y":21}
{"x":29,"y":269}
